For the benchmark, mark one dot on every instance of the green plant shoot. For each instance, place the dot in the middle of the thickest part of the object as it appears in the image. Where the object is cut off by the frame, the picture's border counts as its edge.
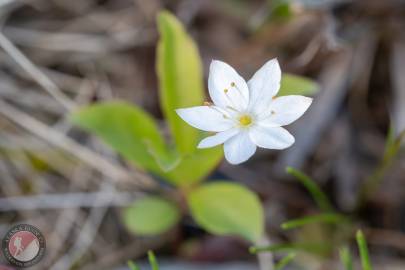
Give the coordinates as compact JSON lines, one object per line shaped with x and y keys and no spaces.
{"x":364,"y":255}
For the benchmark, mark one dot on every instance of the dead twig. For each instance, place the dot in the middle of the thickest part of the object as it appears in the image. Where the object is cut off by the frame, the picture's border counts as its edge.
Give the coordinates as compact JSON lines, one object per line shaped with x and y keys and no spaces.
{"x":114,"y":172}
{"x":36,"y":73}
{"x":88,"y":232}
{"x":65,"y":200}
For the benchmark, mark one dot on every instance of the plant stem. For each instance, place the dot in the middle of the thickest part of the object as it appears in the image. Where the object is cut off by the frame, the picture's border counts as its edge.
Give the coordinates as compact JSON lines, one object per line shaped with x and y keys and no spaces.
{"x":266,"y":260}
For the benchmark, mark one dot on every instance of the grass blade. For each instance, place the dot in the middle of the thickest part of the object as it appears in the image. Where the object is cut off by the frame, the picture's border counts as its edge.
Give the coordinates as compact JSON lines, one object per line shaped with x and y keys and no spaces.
{"x":152,"y":260}
{"x":133,"y":266}
{"x":284,"y":261}
{"x":371,"y":184}
{"x":304,"y":246}
{"x":346,"y":258}
{"x":364,"y":255}
{"x":324,"y":218}
{"x":317,"y":194}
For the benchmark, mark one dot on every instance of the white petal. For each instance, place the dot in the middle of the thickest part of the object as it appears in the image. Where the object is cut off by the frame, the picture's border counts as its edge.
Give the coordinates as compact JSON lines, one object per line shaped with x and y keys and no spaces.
{"x":264,"y":85}
{"x":218,"y":138}
{"x":285,"y":110}
{"x":239,"y":148}
{"x":226,"y":87}
{"x":205,"y":118}
{"x":271,"y":137}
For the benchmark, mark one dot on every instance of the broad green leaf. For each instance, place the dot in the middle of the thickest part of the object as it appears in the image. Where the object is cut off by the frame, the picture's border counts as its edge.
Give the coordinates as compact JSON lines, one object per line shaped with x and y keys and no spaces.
{"x":134,"y":134}
{"x":297,"y":85}
{"x":181,"y":85}
{"x":364,"y":255}
{"x":151,"y":216}
{"x":195,"y":167}
{"x":167,"y":159}
{"x":225,"y":208}
{"x":126,"y":128}
{"x":180,"y":78}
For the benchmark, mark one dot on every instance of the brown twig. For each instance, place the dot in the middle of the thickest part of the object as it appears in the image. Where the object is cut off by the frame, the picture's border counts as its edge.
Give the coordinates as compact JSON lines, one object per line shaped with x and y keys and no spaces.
{"x":106,"y":167}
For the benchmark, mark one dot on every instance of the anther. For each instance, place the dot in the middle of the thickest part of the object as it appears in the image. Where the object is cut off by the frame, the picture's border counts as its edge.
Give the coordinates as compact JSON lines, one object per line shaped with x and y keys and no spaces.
{"x":233,"y":84}
{"x":207,"y":103}
{"x":273,"y":112}
{"x":225,"y":90}
{"x":274,"y":97}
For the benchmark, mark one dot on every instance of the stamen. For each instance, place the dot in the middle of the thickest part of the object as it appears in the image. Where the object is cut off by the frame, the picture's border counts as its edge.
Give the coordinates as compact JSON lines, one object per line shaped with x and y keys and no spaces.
{"x":233,"y":84}
{"x":223,"y":112}
{"x":207,"y":103}
{"x":273,"y":112}
{"x":231,"y":108}
{"x":273,"y":98}
{"x":229,"y":99}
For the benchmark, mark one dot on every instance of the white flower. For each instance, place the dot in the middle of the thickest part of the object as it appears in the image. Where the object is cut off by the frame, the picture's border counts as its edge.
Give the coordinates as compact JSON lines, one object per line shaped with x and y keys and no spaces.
{"x":246,"y":115}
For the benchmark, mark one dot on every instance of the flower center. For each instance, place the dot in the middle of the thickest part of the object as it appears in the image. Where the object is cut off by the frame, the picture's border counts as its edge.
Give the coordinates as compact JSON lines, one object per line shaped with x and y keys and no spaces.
{"x":245,"y":120}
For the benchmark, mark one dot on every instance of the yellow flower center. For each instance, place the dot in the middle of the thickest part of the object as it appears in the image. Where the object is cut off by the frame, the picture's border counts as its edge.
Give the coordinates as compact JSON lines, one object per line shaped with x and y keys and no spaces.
{"x":245,"y":120}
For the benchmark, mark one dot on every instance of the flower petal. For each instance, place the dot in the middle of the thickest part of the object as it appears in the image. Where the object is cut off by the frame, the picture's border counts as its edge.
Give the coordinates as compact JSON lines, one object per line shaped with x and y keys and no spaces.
{"x":271,"y":137}
{"x":205,"y":118}
{"x":239,"y":148}
{"x":264,"y":85}
{"x":218,"y":138}
{"x":226,"y":87}
{"x":285,"y":110}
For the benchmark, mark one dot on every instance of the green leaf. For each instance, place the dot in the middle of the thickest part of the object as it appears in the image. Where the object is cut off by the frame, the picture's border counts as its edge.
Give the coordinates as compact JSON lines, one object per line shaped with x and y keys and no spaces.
{"x":126,"y":128}
{"x":181,"y":85}
{"x":152,"y":260}
{"x":321,"y":218}
{"x":167,"y":160}
{"x":364,"y":255}
{"x":151,"y":216}
{"x":225,"y":208}
{"x":317,"y":194}
{"x":133,"y":266}
{"x":195,"y":167}
{"x":180,"y":78}
{"x":297,"y":85}
{"x":285,"y":260}
{"x":280,"y":9}
{"x":346,"y":258}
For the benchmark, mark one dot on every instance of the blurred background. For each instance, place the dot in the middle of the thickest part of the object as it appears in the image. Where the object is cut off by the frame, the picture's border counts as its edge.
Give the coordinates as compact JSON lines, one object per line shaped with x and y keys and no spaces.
{"x":51,"y":174}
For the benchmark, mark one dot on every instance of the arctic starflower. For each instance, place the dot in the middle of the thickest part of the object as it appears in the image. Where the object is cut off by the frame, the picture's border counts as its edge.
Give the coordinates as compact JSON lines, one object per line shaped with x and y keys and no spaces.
{"x":245,"y":115}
